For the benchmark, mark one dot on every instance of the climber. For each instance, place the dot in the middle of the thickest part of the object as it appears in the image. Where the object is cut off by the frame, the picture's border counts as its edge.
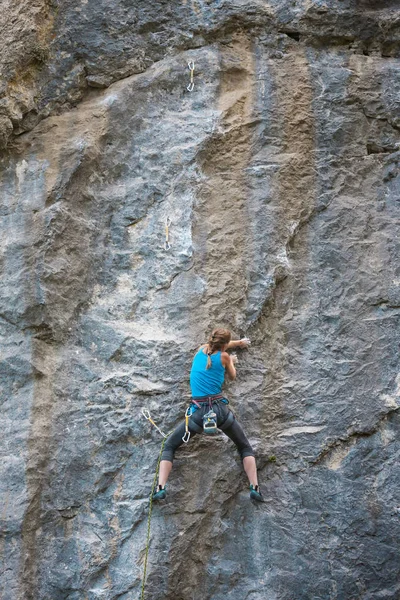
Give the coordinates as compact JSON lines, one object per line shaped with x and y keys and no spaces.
{"x":209,"y":366}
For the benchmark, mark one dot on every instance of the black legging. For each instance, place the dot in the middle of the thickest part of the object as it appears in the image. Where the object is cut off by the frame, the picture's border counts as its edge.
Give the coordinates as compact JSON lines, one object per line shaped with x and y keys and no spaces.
{"x":233,"y":431}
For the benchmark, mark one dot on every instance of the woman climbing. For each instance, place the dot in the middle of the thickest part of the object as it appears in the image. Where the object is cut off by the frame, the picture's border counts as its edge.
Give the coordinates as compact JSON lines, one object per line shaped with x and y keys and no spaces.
{"x":207,"y":375}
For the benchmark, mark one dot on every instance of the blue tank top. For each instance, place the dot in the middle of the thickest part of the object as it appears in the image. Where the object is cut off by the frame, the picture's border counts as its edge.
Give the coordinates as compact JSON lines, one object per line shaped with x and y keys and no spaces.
{"x":206,"y":382}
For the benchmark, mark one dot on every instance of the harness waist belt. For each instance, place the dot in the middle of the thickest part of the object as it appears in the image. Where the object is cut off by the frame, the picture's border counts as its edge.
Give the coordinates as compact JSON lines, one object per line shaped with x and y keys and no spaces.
{"x":206,"y":399}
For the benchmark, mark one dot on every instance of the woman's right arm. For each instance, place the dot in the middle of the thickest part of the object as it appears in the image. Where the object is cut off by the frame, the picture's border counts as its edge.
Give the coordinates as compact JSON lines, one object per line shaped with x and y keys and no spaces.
{"x":227,"y":362}
{"x":243,"y":343}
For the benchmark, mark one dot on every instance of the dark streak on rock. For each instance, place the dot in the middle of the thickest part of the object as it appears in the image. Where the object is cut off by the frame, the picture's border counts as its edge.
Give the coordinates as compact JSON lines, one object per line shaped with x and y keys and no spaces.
{"x":353,"y":436}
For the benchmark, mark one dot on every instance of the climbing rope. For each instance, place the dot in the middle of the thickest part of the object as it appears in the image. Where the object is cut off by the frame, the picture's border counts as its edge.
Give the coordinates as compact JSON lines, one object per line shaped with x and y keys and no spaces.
{"x":147,"y":416}
{"x":146,"y":556}
{"x":190,"y":87}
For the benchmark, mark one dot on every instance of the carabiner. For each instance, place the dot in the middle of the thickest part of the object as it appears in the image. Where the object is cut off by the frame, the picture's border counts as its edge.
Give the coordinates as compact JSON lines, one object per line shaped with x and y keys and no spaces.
{"x":146,"y":414}
{"x":186,"y":437}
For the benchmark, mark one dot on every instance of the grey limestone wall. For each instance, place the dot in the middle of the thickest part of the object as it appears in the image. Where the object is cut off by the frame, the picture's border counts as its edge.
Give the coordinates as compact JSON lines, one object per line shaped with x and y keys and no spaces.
{"x":280,"y":173}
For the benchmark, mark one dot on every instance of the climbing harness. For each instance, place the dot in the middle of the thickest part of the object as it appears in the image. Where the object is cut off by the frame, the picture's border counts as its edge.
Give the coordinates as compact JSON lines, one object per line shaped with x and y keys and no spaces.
{"x":186,"y":436}
{"x":168,"y":222}
{"x":147,"y":416}
{"x":210,"y":418}
{"x":190,"y":87}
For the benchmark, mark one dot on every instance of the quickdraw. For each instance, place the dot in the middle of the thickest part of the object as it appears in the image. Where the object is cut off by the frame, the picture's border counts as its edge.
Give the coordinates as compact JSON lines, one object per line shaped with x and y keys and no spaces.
{"x":190,"y":87}
{"x":186,"y":436}
{"x":168,"y":222}
{"x":147,"y":416}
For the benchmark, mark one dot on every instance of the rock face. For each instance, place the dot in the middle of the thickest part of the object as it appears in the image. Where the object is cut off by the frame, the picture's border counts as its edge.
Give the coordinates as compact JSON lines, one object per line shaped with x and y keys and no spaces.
{"x":280,"y":173}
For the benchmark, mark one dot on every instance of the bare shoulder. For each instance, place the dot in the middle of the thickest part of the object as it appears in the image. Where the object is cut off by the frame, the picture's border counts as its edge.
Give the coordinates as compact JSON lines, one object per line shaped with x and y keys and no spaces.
{"x":225,"y":358}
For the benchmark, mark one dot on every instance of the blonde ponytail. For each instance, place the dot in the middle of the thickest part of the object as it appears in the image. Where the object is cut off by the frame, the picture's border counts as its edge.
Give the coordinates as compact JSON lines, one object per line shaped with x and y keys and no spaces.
{"x":209,"y":363}
{"x":217,"y":340}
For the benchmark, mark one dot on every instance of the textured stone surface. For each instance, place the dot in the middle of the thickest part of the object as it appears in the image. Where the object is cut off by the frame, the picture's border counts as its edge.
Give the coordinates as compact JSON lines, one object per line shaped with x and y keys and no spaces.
{"x":280,"y":173}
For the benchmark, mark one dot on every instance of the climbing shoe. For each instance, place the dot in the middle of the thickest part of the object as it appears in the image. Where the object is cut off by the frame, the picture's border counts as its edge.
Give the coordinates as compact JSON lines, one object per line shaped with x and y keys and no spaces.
{"x":255,"y":493}
{"x":160,"y":493}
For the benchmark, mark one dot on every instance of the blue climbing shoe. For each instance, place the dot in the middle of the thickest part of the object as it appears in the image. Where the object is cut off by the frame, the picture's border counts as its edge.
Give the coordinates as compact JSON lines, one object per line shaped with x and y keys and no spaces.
{"x":160,"y":493}
{"x":255,"y":493}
